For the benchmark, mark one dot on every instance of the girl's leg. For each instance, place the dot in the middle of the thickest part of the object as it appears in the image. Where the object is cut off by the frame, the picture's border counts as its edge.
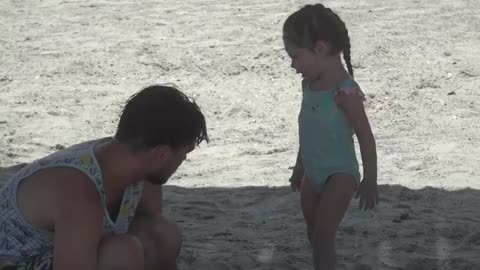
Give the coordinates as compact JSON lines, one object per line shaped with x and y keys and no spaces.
{"x":308,"y":200}
{"x":333,"y":202}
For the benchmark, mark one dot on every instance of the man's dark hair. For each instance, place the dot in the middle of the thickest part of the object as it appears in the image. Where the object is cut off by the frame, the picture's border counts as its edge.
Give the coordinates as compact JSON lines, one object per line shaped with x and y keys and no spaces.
{"x":159,"y":115}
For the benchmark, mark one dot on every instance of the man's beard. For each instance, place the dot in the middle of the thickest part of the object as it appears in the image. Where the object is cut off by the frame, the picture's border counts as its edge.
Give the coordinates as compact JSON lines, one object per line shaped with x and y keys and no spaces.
{"x":157,"y":179}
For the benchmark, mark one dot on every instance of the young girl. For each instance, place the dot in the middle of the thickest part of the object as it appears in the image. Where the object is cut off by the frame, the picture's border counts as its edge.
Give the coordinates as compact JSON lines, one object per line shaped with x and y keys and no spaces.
{"x":327,"y":171}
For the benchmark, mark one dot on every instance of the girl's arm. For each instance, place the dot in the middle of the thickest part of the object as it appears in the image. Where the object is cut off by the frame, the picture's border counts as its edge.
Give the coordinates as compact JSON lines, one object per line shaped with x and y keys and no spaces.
{"x":352,"y":105}
{"x":298,"y":170}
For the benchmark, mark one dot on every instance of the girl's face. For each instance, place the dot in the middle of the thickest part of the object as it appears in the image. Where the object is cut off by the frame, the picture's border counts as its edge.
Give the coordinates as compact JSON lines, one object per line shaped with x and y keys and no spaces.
{"x":310,"y":63}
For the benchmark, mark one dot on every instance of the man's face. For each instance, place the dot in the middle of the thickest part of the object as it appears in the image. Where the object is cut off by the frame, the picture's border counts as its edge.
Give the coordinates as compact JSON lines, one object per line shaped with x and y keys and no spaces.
{"x":173,"y":160}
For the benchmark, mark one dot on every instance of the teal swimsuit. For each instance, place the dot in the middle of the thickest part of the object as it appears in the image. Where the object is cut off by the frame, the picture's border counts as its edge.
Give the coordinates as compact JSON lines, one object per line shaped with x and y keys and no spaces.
{"x":326,"y":135}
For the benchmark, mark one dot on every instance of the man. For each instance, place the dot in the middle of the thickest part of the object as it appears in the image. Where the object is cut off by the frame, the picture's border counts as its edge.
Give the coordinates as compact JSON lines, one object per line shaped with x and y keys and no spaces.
{"x":98,"y":204}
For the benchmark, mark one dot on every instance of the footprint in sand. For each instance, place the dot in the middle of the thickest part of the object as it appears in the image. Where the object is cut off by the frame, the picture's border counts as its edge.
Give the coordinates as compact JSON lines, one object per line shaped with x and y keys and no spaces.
{"x":362,"y":267}
{"x":422,"y":264}
{"x":458,"y":176}
{"x":473,"y":239}
{"x":443,"y":148}
{"x":415,"y":165}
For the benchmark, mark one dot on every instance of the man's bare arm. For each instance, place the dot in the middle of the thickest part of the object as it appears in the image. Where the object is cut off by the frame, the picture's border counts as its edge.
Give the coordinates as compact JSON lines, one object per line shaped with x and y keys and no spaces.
{"x":78,"y":222}
{"x":151,"y":202}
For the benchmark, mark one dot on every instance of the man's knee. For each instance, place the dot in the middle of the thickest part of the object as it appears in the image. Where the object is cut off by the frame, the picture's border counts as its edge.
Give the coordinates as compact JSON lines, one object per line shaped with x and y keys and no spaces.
{"x":121,"y":252}
{"x":168,"y":235}
{"x":161,"y":240}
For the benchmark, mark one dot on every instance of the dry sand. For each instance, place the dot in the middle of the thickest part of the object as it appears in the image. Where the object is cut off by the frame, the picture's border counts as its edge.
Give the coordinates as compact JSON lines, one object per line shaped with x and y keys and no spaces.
{"x":67,"y":67}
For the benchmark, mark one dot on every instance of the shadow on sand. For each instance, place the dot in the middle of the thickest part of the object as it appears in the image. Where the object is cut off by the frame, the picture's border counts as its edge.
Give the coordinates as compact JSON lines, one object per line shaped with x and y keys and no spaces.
{"x":262,"y":228}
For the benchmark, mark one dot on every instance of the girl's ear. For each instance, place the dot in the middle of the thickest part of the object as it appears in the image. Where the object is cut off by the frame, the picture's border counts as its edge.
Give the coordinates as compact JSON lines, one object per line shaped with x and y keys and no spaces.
{"x":321,"y":48}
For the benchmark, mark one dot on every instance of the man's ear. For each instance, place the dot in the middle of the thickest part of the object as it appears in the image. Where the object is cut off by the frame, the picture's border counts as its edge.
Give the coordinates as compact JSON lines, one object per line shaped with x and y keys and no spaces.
{"x":159,"y":154}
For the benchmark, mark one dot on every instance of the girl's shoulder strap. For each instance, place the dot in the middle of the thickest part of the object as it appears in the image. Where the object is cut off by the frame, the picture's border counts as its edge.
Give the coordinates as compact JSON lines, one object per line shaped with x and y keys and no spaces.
{"x":349,"y":87}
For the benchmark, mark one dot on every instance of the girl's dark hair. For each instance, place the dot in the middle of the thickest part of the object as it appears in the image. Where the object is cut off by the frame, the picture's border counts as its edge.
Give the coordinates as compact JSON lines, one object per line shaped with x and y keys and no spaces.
{"x":314,"y":23}
{"x":159,"y":115}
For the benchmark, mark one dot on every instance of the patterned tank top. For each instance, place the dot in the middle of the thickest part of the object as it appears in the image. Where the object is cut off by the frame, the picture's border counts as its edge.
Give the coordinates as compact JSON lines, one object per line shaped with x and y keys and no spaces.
{"x":20,"y":240}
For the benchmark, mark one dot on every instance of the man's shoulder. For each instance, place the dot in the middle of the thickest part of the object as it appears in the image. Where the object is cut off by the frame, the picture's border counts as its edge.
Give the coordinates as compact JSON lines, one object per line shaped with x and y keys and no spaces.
{"x":53,"y":192}
{"x":65,"y":180}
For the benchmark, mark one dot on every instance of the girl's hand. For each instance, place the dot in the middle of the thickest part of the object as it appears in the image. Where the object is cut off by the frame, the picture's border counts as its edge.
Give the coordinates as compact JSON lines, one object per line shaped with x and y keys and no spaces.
{"x":295,"y":182}
{"x":368,"y":194}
